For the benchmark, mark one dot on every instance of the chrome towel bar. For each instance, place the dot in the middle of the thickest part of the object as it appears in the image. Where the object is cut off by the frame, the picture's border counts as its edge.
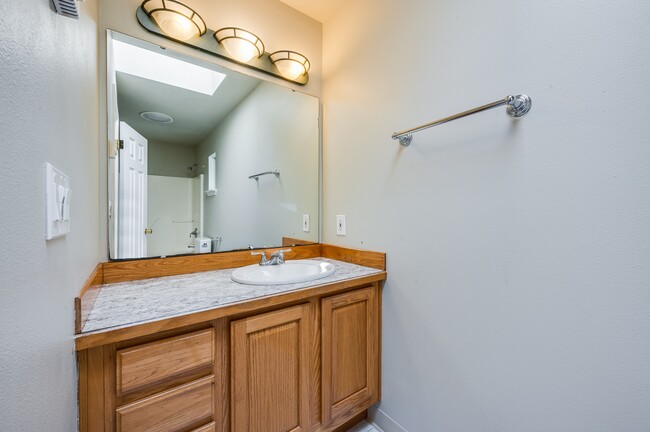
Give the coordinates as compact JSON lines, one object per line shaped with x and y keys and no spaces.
{"x":257,"y":176}
{"x":517,"y":106}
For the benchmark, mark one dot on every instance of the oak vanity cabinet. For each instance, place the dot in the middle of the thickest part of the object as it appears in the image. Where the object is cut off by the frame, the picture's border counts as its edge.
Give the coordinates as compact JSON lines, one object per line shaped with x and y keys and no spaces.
{"x":309,"y":365}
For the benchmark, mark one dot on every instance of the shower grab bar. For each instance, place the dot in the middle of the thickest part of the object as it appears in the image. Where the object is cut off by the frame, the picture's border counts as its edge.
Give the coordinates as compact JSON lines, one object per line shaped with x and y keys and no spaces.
{"x":257,"y":176}
{"x":517,"y":106}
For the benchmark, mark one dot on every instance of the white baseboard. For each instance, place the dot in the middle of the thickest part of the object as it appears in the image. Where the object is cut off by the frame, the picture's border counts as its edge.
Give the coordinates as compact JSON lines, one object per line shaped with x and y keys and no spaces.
{"x":383,"y":420}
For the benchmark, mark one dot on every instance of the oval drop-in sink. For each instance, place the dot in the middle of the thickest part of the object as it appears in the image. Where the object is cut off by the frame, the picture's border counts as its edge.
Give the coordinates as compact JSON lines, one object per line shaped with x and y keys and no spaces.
{"x":293,"y":271}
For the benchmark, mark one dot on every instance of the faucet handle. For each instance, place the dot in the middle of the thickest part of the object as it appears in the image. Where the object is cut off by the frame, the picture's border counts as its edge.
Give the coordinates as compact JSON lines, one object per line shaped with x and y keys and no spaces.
{"x":263,"y":260}
{"x":278,"y":256}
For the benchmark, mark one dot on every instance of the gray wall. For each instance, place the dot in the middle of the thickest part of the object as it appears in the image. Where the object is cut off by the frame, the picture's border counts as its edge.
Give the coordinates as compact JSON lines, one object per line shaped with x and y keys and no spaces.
{"x":518,"y":252}
{"x":171,"y":160}
{"x":48,"y":113}
{"x":273,"y":128}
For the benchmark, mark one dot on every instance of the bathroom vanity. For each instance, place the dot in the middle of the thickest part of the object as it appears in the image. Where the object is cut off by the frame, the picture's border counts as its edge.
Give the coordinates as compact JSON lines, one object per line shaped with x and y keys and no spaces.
{"x":175,"y":345}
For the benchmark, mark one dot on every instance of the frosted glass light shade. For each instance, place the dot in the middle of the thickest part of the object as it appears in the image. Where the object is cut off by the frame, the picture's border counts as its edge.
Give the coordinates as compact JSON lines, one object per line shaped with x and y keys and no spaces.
{"x":290,"y":63}
{"x":241,"y":44}
{"x":175,"y":19}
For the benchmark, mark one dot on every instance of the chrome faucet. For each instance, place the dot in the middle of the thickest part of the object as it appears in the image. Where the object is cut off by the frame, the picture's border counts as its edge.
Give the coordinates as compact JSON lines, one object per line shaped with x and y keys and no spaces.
{"x":277,"y":257}
{"x":263,"y":260}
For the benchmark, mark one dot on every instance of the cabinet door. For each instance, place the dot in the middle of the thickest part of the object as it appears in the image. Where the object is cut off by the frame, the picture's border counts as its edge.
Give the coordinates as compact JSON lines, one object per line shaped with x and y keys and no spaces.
{"x":270,"y":372}
{"x":350,"y":354}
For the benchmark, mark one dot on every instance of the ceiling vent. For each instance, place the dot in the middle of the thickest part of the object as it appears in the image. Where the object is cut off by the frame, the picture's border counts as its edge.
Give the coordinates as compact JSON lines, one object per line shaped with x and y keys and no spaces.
{"x":66,"y":8}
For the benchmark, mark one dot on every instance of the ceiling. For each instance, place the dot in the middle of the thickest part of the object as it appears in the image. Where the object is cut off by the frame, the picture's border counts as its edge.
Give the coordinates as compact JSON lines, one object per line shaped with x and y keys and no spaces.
{"x":320,"y":10}
{"x":195,"y":114}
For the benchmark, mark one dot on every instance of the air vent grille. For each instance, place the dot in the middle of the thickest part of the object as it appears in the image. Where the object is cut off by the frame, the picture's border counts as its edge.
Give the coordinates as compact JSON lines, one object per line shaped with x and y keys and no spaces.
{"x":66,"y":8}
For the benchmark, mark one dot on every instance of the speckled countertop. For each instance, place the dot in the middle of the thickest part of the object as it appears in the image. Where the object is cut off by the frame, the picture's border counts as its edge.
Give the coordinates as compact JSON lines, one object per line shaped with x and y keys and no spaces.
{"x":128,"y":303}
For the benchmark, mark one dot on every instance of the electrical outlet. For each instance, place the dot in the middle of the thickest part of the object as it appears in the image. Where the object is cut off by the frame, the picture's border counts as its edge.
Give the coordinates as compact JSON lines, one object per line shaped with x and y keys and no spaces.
{"x":340,"y":225}
{"x":305,"y":223}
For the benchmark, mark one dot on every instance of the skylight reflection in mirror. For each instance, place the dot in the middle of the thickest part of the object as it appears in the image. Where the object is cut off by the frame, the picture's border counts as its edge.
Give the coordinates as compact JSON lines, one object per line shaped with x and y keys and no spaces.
{"x":150,"y":65}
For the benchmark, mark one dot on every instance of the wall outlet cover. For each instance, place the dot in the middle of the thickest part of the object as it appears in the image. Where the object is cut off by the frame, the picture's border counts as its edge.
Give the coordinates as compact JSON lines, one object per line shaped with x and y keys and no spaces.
{"x":305,"y":223}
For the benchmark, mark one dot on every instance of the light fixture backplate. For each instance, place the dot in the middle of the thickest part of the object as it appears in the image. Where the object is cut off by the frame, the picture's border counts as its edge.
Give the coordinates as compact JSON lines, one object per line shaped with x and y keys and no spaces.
{"x":207,"y":43}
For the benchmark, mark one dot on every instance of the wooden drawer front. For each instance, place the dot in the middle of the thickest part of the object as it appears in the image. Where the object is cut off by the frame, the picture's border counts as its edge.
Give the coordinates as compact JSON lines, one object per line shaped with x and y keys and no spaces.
{"x":172,"y":410}
{"x":212,"y":427}
{"x":154,"y":362}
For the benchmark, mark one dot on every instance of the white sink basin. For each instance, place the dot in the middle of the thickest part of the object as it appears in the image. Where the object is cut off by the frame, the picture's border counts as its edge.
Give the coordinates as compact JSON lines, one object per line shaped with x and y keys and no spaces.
{"x":293,"y":271}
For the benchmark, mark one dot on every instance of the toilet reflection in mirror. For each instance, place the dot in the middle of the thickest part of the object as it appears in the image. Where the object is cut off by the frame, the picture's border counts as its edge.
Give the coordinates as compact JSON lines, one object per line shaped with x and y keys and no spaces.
{"x":191,"y":134}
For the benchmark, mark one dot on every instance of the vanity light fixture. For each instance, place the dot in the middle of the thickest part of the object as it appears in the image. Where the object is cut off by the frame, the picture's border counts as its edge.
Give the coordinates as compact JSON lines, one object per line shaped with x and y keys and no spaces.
{"x":243,"y":45}
{"x":290,"y":63}
{"x":175,"y":19}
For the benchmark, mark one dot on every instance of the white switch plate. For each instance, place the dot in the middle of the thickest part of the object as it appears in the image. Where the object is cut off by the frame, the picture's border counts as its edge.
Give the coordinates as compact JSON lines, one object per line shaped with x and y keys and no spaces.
{"x":57,"y":203}
{"x":340,"y":225}
{"x":305,"y":223}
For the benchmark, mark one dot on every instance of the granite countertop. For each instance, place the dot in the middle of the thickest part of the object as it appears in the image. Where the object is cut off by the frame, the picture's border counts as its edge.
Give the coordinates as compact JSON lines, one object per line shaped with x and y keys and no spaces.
{"x":128,"y":303}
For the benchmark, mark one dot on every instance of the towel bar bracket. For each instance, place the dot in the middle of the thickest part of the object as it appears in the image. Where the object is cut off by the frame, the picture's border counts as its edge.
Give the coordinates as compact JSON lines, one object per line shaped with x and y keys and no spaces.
{"x":518,"y":106}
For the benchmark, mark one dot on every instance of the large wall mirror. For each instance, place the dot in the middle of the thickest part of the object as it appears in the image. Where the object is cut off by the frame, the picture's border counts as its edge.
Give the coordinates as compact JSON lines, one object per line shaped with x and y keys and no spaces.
{"x":203,"y":158}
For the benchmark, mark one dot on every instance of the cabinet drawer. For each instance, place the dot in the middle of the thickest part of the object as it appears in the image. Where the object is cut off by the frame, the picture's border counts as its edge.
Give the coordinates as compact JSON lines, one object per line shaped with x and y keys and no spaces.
{"x":170,"y":410}
{"x":154,"y":362}
{"x":207,"y":428}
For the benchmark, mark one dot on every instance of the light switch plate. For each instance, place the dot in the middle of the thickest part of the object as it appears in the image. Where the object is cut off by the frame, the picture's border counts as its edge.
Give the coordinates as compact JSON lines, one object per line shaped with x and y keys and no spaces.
{"x":340,"y":225}
{"x":305,"y":223}
{"x":57,"y":203}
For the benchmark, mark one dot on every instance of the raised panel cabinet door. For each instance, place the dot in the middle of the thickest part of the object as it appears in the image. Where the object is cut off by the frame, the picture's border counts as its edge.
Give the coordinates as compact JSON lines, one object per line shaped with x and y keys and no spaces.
{"x":270,"y":372}
{"x":350,"y":354}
